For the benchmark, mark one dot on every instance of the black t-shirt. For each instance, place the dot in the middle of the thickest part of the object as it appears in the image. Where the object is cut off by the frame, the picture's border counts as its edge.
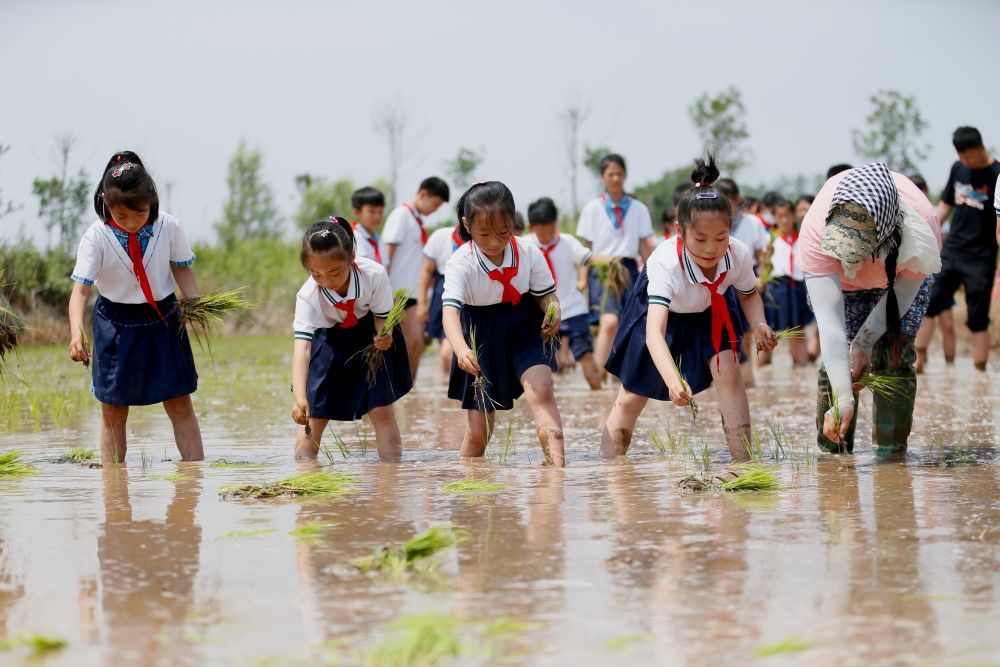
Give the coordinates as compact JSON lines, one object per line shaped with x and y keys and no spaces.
{"x":973,"y":220}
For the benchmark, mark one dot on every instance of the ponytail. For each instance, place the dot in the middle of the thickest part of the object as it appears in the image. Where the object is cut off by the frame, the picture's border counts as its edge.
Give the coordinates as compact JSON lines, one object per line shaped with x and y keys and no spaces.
{"x":703,"y":197}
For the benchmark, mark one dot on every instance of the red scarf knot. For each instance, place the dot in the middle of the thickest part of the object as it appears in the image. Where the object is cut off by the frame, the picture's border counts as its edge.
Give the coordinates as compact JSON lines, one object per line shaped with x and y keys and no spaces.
{"x":505,"y":276}
{"x":347,"y":307}
{"x":720,"y":309}
{"x":372,"y":242}
{"x":135,"y":254}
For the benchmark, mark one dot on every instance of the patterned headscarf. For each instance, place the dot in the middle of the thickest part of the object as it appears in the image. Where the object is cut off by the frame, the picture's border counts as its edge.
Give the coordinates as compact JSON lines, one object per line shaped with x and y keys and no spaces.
{"x":872,"y":188}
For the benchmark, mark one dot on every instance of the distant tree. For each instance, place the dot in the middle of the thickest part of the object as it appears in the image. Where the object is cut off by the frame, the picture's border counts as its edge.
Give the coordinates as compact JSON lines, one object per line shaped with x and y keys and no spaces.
{"x":892,"y":132}
{"x":463,"y":166}
{"x":249,"y":211}
{"x":63,"y":199}
{"x":6,"y":206}
{"x":572,"y":119}
{"x":392,"y":121}
{"x":321,"y":198}
{"x":721,"y":125}
{"x":659,"y":194}
{"x":592,"y":156}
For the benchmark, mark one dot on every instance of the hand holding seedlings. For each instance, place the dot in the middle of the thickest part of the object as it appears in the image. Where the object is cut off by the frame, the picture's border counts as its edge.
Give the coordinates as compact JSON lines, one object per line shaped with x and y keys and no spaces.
{"x":764,"y":336}
{"x":79,"y":350}
{"x":859,"y":363}
{"x":837,"y":421}
{"x":382,"y":342}
{"x":553,"y":318}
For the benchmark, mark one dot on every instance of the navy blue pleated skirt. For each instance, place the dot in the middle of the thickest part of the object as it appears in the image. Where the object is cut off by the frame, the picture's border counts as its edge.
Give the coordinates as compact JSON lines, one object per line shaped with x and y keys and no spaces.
{"x":338,"y":387}
{"x":510,"y":342}
{"x":613,"y":303}
{"x":786,"y":304}
{"x":435,"y":325}
{"x":138,"y":358}
{"x":689,"y":336}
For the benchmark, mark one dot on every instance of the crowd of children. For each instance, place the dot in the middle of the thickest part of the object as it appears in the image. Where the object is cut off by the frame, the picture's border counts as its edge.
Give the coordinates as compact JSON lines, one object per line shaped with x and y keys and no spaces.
{"x":696,"y":304}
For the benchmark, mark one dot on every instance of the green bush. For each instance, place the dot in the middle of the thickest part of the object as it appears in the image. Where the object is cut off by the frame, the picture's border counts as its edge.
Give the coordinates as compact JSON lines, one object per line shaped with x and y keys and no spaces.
{"x":33,"y":277}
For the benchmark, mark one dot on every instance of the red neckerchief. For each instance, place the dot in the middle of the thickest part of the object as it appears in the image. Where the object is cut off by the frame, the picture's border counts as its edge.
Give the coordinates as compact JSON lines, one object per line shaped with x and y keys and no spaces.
{"x":135,"y":254}
{"x":547,"y":252}
{"x":720,"y":309}
{"x":505,"y":276}
{"x":456,"y":239}
{"x":666,"y":234}
{"x":619,"y":223}
{"x":790,"y":240}
{"x":373,"y":242}
{"x":420,"y":221}
{"x":347,"y":305}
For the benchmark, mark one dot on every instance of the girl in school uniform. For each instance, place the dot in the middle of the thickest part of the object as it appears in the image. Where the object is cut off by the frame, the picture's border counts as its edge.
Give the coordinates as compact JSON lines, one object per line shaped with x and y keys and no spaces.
{"x":678,"y":309}
{"x":615,"y":225}
{"x":439,"y":249}
{"x":785,"y":301}
{"x":567,"y":260}
{"x":339,"y":311}
{"x":135,"y":255}
{"x":499,"y":286}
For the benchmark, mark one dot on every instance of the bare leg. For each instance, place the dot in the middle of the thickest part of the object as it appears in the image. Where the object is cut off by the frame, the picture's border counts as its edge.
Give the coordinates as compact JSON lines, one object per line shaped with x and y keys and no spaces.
{"x":307,"y":448}
{"x":477,"y":432}
{"x":947,"y":335}
{"x":187,"y":433}
{"x":444,"y":354}
{"x":537,"y":383}
{"x":607,"y":328}
{"x":387,"y":438}
{"x":621,"y":420}
{"x":980,"y":349}
{"x":590,"y":370}
{"x":565,"y":356}
{"x":799,"y":351}
{"x":812,"y":336}
{"x":733,"y":405}
{"x":923,"y":340}
{"x":113,"y":443}
{"x":413,"y":333}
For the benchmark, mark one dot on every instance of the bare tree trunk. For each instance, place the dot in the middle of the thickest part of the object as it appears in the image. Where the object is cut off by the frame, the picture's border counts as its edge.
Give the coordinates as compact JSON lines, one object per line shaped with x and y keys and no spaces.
{"x":391,"y":120}
{"x":573,"y":118}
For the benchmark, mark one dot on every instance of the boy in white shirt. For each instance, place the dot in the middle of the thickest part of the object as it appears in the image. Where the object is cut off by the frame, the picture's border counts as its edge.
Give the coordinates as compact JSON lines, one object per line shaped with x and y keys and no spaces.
{"x":369,"y":208}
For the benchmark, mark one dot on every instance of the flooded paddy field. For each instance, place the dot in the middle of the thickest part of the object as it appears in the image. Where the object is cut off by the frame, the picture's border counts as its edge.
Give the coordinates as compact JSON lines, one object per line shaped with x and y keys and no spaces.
{"x":850,"y":562}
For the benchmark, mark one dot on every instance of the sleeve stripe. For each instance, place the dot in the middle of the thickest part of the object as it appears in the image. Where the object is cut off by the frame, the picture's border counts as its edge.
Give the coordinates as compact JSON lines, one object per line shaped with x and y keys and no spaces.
{"x":303,"y":335}
{"x":544,"y":292}
{"x":659,"y":300}
{"x":747,"y":292}
{"x":381,"y":315}
{"x":186,"y":263}
{"x":81,"y":279}
{"x":454,"y":303}
{"x":586,"y":258}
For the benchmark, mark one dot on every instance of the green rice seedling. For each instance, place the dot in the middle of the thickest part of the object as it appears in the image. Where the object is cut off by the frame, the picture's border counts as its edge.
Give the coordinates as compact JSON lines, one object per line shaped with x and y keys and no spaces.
{"x":423,"y":639}
{"x":311,"y":533}
{"x":35,"y":642}
{"x":790,"y":333}
{"x":676,"y":443}
{"x":318,"y":483}
{"x":835,"y":412}
{"x":617,"y":278}
{"x":13,"y":467}
{"x":625,"y":641}
{"x":790,"y":644}
{"x":327,"y":454}
{"x":502,"y":639}
{"x":223,"y":463}
{"x":472,"y":486}
{"x":79,"y":455}
{"x":658,"y":443}
{"x":230,"y":534}
{"x":754,"y":445}
{"x":363,"y":440}
{"x":412,"y":554}
{"x":480,"y":385}
{"x":751,"y":477}
{"x":375,"y":357}
{"x":780,"y":440}
{"x":146,"y":461}
{"x":884,"y":386}
{"x":203,"y":314}
{"x":508,"y":449}
{"x":701,"y":457}
{"x":692,"y":405}
{"x":345,"y":451}
{"x":177,"y":477}
{"x":550,"y":342}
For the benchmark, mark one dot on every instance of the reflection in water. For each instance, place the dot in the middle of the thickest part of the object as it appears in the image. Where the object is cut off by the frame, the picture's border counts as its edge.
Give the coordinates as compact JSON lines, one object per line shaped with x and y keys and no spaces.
{"x":11,"y":588}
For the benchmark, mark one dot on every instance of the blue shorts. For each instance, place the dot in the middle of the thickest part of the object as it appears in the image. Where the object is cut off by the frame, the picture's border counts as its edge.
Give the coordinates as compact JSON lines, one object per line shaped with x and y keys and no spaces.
{"x":577,"y":331}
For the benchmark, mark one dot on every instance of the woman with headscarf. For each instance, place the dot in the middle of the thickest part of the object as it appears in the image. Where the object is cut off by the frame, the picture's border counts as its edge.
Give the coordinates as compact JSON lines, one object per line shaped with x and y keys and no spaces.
{"x":869,"y":245}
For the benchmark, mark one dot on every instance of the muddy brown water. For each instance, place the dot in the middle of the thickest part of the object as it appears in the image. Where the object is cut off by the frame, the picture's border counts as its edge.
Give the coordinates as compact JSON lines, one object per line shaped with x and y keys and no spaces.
{"x":865,"y":563}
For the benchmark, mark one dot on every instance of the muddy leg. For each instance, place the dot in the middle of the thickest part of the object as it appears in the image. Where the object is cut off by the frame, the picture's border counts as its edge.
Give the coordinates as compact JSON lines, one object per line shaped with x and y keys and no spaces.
{"x":590,"y":370}
{"x":822,"y":405}
{"x":947,"y":335}
{"x":892,"y":416}
{"x":621,"y":421}
{"x":923,"y":342}
{"x":537,"y":383}
{"x":187,"y":433}
{"x":478,"y":431}
{"x":306,"y":448}
{"x":113,"y":444}
{"x":733,"y":405}
{"x":387,"y":438}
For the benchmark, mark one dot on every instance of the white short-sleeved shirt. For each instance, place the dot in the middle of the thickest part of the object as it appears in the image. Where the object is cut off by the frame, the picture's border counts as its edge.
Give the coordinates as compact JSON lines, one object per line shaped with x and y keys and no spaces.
{"x":365,"y":244}
{"x":996,"y":198}
{"x":404,"y":231}
{"x":441,"y":245}
{"x":749,"y":229}
{"x":782,"y":258}
{"x":596,"y":227}
{"x":314,"y":305}
{"x":567,"y":255}
{"x":677,"y":284}
{"x":101,"y":260}
{"x":467,"y":281}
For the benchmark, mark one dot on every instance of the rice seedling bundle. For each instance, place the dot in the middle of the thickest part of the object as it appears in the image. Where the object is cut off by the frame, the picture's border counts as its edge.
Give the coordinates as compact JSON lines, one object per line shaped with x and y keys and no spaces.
{"x":79,"y":455}
{"x":203,"y":314}
{"x":397,"y":560}
{"x":550,"y":342}
{"x":318,"y":483}
{"x":752,"y":477}
{"x":480,"y":385}
{"x":12,"y":467}
{"x":884,"y":386}
{"x":425,"y":639}
{"x":375,"y":357}
{"x":86,"y":347}
{"x":618,"y":277}
{"x":790,"y":333}
{"x":36,"y":642}
{"x":310,"y":533}
{"x":472,"y":486}
{"x":229,"y":534}
{"x":693,"y":406}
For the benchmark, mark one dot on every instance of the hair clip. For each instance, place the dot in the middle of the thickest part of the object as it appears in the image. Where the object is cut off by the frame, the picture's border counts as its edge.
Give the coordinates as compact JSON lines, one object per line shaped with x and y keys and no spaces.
{"x":702,"y":184}
{"x":323,"y":233}
{"x":707,"y":195}
{"x":117,"y":171}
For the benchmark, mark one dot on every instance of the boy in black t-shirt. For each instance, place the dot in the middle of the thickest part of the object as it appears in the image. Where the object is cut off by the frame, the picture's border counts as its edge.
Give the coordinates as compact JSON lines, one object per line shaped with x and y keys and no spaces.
{"x":969,"y":255}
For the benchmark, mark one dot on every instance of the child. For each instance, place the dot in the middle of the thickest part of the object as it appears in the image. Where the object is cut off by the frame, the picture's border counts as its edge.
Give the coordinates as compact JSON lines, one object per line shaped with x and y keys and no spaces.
{"x":496,"y":289}
{"x":338,"y":313}
{"x":567,"y":260}
{"x":785,"y":302}
{"x":944,"y":318}
{"x":812,"y":331}
{"x":405,"y":235}
{"x":369,"y":207}
{"x":618,"y":226}
{"x":135,"y":255}
{"x":677,"y":310}
{"x":439,"y":249}
{"x":668,"y":219}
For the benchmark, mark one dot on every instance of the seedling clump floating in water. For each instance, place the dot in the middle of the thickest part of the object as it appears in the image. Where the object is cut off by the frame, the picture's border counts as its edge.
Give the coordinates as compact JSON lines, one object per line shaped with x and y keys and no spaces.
{"x":318,"y":483}
{"x":79,"y":455}
{"x":12,"y":467}
{"x":413,"y":554}
{"x":472,"y":486}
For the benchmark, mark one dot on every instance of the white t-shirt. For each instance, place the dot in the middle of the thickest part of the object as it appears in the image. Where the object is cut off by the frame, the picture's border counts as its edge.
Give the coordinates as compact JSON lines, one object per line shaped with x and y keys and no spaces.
{"x":365,"y":248}
{"x":595,"y":226}
{"x":782,"y":263}
{"x":314,"y":305}
{"x":567,"y":255}
{"x":467,"y":281}
{"x":101,"y":260}
{"x":677,"y":285}
{"x":748,"y":228}
{"x":996,"y":198}
{"x":440,"y":247}
{"x":404,"y":231}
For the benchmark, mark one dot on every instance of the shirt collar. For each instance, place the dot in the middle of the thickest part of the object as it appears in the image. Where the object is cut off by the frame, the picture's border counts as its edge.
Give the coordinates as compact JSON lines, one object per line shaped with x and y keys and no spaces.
{"x":486,"y":265}
{"x":355,"y":281}
{"x":696,"y":276}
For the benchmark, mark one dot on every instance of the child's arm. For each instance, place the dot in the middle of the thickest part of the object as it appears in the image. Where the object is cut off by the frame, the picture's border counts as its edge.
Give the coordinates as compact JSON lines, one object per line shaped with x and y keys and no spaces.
{"x":582,"y":275}
{"x":453,"y":331}
{"x":553,"y":327}
{"x":184,"y":277}
{"x":424,"y":283}
{"x":300,"y":374}
{"x":753,"y":308}
{"x":646,"y":247}
{"x":382,"y":342}
{"x":77,"y":303}
{"x":656,"y":343}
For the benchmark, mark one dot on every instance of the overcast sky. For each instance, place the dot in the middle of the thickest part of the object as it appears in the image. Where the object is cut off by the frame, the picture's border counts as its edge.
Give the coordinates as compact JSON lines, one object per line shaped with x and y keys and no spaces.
{"x":180,"y":82}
